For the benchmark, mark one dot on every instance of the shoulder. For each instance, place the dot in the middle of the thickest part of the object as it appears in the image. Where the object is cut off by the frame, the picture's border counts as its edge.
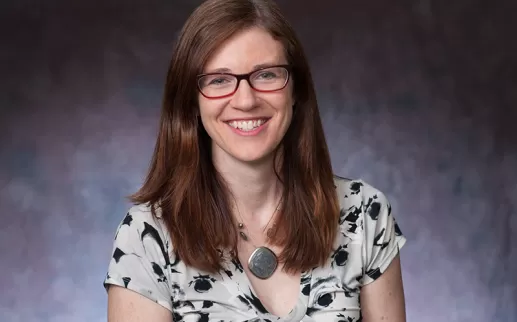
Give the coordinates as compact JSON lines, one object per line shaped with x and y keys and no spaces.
{"x":141,"y":215}
{"x":141,"y":256}
{"x":366,"y":218}
{"x":359,"y":187}
{"x":361,"y":205}
{"x":140,"y":227}
{"x":357,"y":194}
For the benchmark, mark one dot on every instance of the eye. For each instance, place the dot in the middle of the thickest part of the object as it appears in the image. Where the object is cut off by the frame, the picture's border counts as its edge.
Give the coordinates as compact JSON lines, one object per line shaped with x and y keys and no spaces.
{"x":267,"y":75}
{"x":219,"y":81}
{"x":216,"y":80}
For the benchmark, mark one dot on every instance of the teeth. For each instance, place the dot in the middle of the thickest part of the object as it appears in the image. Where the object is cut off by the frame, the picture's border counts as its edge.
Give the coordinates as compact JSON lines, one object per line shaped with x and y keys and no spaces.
{"x":247,"y":125}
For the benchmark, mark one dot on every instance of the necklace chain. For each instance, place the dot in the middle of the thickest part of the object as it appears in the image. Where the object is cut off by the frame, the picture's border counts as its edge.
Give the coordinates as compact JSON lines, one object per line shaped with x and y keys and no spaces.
{"x":263,"y":261}
{"x":241,"y":225}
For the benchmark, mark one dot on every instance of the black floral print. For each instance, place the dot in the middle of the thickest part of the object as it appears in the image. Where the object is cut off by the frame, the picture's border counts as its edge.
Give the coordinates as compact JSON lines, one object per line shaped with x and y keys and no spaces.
{"x":143,"y":260}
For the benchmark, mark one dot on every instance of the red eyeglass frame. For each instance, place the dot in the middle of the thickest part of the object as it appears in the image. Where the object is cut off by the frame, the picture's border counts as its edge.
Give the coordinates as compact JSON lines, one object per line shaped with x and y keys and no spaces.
{"x":246,"y":77}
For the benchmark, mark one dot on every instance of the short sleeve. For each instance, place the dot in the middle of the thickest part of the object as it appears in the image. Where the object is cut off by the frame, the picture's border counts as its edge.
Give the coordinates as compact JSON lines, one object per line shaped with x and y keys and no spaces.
{"x":140,"y":258}
{"x":382,"y":238}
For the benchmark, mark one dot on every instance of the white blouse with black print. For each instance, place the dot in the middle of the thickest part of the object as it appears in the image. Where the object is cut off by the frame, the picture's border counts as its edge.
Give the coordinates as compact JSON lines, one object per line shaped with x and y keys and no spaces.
{"x":369,"y":239}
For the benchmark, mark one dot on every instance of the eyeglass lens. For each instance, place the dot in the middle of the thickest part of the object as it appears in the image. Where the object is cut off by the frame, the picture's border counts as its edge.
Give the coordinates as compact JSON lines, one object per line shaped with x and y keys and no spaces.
{"x":268,"y":79}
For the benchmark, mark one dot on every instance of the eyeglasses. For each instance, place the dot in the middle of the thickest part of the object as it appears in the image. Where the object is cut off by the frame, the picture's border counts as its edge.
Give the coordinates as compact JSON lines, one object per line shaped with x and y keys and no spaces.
{"x":220,"y":85}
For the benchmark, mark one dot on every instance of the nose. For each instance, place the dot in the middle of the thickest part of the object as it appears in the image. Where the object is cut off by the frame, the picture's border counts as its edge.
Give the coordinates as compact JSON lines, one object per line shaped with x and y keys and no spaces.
{"x":245,"y":97}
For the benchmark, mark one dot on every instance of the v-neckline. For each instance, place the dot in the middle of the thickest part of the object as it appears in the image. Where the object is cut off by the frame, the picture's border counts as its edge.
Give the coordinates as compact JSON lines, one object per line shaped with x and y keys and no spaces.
{"x":245,"y":287}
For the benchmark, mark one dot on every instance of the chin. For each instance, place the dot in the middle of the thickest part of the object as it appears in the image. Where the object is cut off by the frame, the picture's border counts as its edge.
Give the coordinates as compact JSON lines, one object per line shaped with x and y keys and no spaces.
{"x":249,"y":152}
{"x":252,"y":153}
{"x":252,"y":157}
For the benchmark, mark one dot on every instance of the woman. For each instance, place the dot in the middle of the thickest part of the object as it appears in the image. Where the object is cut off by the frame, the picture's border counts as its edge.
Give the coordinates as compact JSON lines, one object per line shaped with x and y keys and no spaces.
{"x":240,"y":217}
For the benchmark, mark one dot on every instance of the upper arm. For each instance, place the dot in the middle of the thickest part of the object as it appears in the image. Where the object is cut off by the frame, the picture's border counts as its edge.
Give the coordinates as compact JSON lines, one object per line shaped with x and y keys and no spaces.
{"x":383,"y":299}
{"x":382,"y":294}
{"x":138,"y":281}
{"x":128,"y":306}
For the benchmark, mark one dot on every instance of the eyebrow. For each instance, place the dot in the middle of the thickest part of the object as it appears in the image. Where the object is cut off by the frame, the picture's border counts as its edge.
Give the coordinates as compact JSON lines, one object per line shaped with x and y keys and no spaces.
{"x":256,"y":67}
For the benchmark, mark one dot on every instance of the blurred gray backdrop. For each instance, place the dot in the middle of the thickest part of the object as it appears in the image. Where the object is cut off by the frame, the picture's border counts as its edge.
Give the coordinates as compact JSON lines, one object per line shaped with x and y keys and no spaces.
{"x":418,"y":98}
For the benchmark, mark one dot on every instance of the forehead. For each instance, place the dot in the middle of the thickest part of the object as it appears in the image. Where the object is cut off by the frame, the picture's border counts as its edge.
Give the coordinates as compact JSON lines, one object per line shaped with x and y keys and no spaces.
{"x":245,"y":50}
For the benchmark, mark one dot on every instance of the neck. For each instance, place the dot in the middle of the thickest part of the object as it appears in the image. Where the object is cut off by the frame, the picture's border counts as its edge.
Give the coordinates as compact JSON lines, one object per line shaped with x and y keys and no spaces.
{"x":255,"y":187}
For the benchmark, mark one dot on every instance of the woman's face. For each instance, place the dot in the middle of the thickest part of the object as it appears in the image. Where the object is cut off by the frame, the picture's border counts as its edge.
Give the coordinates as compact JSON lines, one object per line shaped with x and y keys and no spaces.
{"x":236,"y":123}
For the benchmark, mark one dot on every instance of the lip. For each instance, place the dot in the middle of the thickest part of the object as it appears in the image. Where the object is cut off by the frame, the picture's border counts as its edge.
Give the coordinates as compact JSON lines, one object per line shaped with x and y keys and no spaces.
{"x":249,"y":133}
{"x":248,"y":119}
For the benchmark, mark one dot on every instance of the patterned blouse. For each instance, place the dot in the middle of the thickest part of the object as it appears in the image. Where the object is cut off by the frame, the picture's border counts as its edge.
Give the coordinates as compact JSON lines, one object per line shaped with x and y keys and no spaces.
{"x":369,"y":239}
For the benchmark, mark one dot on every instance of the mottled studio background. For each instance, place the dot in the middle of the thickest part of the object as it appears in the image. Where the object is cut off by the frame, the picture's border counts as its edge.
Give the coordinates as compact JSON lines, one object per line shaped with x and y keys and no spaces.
{"x":419,"y":98}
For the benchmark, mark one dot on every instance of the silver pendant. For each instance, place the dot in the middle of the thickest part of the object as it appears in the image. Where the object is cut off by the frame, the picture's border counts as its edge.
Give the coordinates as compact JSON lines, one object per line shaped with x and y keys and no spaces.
{"x":262,"y":262}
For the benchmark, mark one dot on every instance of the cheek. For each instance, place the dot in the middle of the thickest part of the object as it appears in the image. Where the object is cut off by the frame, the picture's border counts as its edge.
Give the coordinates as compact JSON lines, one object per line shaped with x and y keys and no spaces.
{"x":206,"y":108}
{"x":202,"y":106}
{"x":204,"y":114}
{"x":284,"y":101}
{"x":289,"y":103}
{"x":289,"y":115}
{"x":209,"y":112}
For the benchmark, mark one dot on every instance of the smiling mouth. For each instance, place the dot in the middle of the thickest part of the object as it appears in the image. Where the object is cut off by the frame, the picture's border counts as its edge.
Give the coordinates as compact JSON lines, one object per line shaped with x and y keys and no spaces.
{"x":248,"y":125}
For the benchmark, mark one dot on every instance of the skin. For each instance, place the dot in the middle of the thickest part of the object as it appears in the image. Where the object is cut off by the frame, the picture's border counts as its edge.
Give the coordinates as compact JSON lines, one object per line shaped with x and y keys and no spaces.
{"x":383,"y":299}
{"x":246,"y":163}
{"x":127,"y":306}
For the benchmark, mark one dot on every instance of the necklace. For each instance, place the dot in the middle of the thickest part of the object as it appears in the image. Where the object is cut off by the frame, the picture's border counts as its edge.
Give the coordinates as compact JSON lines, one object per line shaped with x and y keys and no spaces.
{"x":262,"y":262}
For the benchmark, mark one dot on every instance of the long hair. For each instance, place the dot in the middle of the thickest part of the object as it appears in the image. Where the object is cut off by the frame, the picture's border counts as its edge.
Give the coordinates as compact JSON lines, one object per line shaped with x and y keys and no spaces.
{"x":182,"y":181}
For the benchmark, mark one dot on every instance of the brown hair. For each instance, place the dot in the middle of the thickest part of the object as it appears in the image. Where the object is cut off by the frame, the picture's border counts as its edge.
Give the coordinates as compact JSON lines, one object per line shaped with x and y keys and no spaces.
{"x":182,"y":179}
